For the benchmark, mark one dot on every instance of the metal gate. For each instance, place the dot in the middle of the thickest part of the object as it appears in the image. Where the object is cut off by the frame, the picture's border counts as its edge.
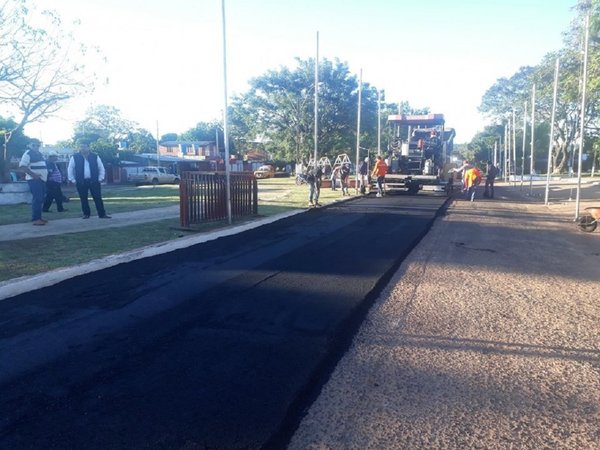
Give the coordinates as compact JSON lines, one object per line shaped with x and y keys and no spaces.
{"x":203,"y":196}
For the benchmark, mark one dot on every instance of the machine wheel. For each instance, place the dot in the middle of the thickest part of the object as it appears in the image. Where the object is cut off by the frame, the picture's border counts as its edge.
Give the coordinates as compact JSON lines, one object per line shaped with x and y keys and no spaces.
{"x":413,"y":189}
{"x":587,"y":224}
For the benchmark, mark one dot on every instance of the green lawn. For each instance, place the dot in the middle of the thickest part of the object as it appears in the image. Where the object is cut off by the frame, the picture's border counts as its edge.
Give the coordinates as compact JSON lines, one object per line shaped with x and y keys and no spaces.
{"x":117,"y":198}
{"x":23,"y":257}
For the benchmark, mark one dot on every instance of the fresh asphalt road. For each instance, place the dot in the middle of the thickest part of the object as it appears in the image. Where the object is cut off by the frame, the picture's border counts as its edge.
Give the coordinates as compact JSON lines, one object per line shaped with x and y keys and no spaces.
{"x":219,"y":345}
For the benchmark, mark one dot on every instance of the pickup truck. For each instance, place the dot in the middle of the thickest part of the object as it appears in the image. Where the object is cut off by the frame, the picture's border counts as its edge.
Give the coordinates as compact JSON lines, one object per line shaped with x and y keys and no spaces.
{"x":266,"y":171}
{"x":152,"y":175}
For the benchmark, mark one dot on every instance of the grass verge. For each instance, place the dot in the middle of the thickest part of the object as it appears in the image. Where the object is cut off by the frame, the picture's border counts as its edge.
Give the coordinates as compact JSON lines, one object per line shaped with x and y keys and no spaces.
{"x":116,"y":199}
{"x":38,"y":255}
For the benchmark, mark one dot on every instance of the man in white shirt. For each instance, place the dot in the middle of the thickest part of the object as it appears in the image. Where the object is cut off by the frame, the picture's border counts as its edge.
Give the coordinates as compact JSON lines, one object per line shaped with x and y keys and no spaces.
{"x":87,"y":172}
{"x":36,"y":172}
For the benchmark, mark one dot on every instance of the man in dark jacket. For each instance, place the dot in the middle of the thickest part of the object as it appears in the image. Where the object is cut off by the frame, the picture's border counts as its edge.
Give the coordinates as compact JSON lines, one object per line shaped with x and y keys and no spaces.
{"x":490,"y":177}
{"x":87,"y":172}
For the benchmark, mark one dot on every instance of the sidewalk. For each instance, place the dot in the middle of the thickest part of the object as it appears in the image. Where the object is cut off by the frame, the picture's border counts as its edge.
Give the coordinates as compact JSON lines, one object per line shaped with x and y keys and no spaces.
{"x":63,"y":226}
{"x":487,"y":337}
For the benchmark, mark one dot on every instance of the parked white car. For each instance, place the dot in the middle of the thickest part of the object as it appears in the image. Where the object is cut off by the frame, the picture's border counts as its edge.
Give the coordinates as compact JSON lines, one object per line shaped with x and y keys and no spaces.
{"x":153,"y":175}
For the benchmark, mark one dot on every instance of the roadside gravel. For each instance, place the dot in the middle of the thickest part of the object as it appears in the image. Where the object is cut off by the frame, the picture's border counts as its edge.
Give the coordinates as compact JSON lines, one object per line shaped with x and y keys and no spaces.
{"x":487,"y":337}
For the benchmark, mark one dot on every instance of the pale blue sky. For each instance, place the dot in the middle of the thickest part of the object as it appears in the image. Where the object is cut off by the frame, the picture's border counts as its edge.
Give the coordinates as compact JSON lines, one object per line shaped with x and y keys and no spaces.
{"x":164,"y":57}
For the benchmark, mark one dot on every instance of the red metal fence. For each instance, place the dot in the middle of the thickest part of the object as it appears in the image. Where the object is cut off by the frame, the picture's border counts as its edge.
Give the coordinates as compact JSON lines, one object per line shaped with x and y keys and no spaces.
{"x":203,"y":196}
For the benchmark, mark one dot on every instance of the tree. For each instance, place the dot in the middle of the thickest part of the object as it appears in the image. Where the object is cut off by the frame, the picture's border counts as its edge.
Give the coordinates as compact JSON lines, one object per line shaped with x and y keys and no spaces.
{"x":105,"y":130}
{"x":278,"y":111}
{"x":168,"y":137}
{"x":16,"y":142}
{"x":39,"y":66}
{"x":140,"y":141}
{"x":206,"y":131}
{"x":481,"y":147}
{"x":505,"y":94}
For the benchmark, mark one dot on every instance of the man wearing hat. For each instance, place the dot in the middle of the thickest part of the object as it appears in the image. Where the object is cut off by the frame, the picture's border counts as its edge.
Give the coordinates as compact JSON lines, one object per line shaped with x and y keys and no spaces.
{"x":53,"y":184}
{"x":33,"y":164}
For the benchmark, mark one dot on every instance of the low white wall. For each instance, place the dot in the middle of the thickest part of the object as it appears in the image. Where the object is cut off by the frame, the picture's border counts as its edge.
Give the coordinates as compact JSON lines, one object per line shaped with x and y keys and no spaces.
{"x":14,"y":193}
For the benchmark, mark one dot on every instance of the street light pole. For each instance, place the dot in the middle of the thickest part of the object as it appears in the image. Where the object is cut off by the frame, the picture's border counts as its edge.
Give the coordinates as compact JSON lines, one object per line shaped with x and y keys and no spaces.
{"x":378,"y":122}
{"x":316,"y":144}
{"x":532,"y":141}
{"x":524,"y":136}
{"x":225,"y":115}
{"x":551,"y":131}
{"x":157,"y":146}
{"x":582,"y":119}
{"x":358,"y":131}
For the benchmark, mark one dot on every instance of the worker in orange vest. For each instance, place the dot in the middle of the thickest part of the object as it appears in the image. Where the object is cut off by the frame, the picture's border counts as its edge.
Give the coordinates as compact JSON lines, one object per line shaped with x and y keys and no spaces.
{"x":379,"y":171}
{"x":472,"y":179}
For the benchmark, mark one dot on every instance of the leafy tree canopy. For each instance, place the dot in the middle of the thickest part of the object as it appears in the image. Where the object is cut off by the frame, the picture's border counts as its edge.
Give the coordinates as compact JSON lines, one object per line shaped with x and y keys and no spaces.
{"x":40,"y":65}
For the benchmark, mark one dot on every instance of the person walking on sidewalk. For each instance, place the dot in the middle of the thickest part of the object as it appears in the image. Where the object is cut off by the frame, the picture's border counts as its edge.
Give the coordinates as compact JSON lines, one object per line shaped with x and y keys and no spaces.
{"x":53,"y":184}
{"x":33,"y":164}
{"x":379,"y":171}
{"x":87,"y":172}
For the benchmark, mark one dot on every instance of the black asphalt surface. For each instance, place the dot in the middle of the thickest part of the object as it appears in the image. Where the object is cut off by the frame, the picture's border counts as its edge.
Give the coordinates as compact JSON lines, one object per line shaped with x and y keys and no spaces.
{"x":222,"y":345}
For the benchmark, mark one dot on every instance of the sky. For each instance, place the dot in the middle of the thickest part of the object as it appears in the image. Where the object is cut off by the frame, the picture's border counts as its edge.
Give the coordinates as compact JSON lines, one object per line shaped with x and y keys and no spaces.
{"x":164,"y":59}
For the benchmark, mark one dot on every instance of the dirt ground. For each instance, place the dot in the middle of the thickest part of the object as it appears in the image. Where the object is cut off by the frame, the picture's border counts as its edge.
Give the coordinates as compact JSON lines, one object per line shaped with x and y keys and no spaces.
{"x":487,"y":337}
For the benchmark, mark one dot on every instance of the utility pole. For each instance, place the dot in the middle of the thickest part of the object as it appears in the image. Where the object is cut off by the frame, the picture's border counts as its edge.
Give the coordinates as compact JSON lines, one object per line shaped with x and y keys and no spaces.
{"x":358,"y":131}
{"x":582,"y":119}
{"x":551,"y":131}
{"x":524,"y":136}
{"x":532,"y":141}
{"x":316,"y":144}
{"x":225,"y":117}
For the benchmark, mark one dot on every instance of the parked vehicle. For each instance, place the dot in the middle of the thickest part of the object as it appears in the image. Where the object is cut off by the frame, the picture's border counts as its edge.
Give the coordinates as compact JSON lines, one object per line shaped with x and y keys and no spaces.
{"x":152,"y":175}
{"x":266,"y":171}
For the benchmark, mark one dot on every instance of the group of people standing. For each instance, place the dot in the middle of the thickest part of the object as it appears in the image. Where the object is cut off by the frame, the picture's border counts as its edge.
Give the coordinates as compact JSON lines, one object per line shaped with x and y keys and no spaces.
{"x":472,"y":177}
{"x":45,"y":179}
{"x":314,"y":178}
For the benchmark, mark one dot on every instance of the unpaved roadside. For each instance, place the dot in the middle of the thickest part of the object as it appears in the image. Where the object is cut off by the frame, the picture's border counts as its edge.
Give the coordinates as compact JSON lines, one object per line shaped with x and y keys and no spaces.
{"x":488,"y":337}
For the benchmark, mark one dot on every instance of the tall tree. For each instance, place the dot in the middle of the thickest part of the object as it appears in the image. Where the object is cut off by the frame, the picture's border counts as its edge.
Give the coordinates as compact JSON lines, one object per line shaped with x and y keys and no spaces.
{"x":40,"y":66}
{"x":278,"y":111}
{"x":140,"y":140}
{"x":105,"y":129}
{"x":505,"y":94}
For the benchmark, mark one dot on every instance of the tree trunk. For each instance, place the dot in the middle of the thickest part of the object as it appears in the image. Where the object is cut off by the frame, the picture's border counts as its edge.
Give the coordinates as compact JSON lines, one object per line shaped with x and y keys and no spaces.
{"x":560,"y":158}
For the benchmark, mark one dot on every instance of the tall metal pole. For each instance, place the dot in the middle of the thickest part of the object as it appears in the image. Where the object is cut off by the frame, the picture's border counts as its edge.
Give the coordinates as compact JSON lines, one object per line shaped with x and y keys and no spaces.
{"x":582,"y":119}
{"x":551,"y":140}
{"x":316,"y":137}
{"x":378,"y":122}
{"x":532,"y":140}
{"x":495,"y":153}
{"x":524,"y":136}
{"x":157,"y":146}
{"x":225,"y":115}
{"x":506,"y":144}
{"x":358,"y":130}
{"x":514,"y":147}
{"x":217,"y":139}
